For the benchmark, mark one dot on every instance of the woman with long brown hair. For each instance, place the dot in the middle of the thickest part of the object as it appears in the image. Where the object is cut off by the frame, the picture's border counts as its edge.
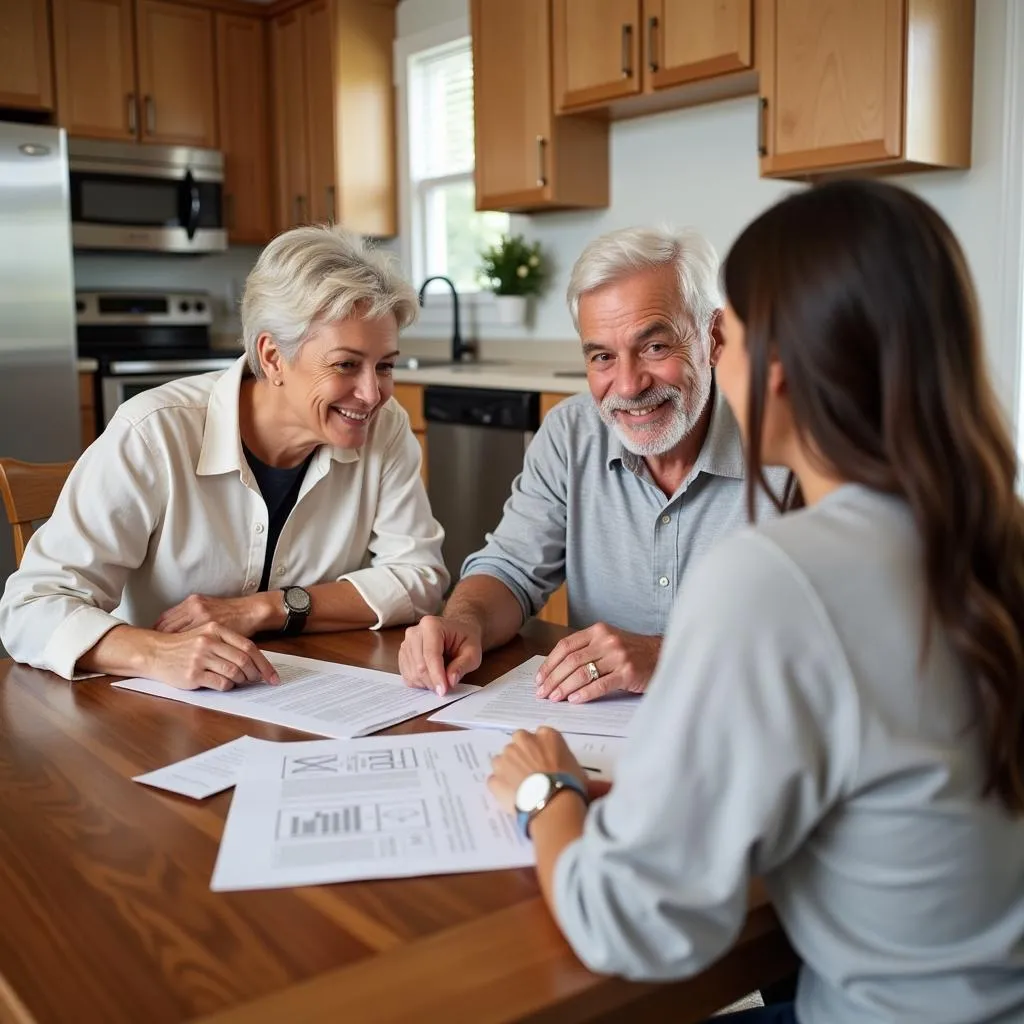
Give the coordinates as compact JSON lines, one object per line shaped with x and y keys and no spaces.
{"x":839,"y":704}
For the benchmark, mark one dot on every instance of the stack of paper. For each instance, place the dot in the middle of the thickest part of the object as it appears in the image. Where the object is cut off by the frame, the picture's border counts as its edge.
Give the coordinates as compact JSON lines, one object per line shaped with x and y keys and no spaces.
{"x":511,"y":702}
{"x":319,"y":697}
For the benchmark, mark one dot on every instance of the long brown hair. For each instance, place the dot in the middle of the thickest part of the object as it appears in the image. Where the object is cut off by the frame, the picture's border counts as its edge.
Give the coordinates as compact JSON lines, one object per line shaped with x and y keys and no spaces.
{"x":862,"y":293}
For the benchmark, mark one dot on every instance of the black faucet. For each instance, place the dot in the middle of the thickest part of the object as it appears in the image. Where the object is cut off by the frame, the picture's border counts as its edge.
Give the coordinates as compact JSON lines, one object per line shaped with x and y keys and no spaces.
{"x":459,"y":348}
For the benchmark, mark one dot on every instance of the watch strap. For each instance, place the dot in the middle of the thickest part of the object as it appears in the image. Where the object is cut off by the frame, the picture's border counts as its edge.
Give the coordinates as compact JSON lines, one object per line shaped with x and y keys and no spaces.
{"x":560,"y":781}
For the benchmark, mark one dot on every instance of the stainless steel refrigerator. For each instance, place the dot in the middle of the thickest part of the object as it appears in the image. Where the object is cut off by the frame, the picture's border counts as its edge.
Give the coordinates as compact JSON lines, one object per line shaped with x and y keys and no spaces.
{"x":39,"y":419}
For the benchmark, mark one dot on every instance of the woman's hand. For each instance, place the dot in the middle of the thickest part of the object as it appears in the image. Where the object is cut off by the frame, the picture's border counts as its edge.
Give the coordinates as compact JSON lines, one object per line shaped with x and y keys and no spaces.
{"x":210,"y":656}
{"x":542,"y":751}
{"x":241,"y":615}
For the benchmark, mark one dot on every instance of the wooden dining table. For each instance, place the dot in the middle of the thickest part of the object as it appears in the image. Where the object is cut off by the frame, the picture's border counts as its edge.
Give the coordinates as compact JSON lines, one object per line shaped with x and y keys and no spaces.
{"x":107,"y":913}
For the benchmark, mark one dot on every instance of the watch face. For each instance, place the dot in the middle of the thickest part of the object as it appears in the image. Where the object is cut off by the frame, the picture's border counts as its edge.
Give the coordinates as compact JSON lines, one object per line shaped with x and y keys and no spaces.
{"x":532,"y":791}
{"x":297,"y":599}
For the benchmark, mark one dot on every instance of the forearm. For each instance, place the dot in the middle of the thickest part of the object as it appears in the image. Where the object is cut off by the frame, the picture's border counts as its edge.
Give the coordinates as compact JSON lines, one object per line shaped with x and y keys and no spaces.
{"x":334,"y":607}
{"x":486,"y":601}
{"x":552,"y":830}
{"x":123,"y":651}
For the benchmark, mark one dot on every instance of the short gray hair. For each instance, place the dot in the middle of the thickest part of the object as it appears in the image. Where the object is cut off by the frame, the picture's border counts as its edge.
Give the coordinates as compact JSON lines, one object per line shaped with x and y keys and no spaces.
{"x":628,"y":251}
{"x":315,"y":275}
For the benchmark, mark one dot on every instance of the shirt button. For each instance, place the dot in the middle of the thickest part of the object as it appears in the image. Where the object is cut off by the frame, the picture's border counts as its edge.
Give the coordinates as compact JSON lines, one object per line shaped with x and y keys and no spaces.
{"x":280,"y":571}
{"x":663,"y":581}
{"x":666,"y":520}
{"x":259,"y":527}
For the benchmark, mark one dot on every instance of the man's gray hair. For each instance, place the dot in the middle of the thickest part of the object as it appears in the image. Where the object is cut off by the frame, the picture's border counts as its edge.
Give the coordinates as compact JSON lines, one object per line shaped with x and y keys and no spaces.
{"x":628,"y":251}
{"x":316,"y":275}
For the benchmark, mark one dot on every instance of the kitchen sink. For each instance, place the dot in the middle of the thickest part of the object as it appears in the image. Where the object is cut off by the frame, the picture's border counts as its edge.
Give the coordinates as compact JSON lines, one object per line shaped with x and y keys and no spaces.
{"x":569,"y":373}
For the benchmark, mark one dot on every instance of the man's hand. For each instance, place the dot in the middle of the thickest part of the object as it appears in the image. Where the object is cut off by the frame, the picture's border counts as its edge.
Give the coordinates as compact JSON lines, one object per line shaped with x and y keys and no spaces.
{"x":438,"y":652}
{"x":625,"y":661}
{"x":242,"y":615}
{"x":210,"y":656}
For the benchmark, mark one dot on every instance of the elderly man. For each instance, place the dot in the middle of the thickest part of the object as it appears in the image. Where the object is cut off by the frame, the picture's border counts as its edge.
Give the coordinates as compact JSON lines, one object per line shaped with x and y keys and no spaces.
{"x":622,"y":490}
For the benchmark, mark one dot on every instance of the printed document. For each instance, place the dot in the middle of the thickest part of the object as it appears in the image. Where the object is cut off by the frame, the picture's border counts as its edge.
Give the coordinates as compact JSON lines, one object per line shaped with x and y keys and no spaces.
{"x":597,"y":755}
{"x":319,"y":697}
{"x":204,"y":774}
{"x":511,"y":702}
{"x":385,"y":807}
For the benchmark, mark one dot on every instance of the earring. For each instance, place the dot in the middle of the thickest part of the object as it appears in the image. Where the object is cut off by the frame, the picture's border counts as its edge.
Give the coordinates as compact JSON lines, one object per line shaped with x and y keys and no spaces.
{"x":278,"y":383}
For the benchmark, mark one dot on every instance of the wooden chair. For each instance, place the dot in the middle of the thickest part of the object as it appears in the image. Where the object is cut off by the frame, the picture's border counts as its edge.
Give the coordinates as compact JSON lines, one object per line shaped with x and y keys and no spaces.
{"x":30,"y":491}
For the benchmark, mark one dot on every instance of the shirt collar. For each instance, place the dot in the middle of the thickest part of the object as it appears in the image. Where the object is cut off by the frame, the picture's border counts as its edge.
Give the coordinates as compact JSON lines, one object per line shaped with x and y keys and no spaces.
{"x":720,"y":455}
{"x":222,"y":442}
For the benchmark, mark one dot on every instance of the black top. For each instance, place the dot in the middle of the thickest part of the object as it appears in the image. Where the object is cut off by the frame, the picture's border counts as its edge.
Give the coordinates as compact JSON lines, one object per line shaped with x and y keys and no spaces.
{"x":280,"y":490}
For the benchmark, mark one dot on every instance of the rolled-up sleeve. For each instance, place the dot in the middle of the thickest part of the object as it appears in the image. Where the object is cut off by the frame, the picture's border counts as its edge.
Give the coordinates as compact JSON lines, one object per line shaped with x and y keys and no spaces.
{"x":406,"y":578}
{"x":527,"y":549}
{"x":58,"y":604}
{"x":724,"y":775}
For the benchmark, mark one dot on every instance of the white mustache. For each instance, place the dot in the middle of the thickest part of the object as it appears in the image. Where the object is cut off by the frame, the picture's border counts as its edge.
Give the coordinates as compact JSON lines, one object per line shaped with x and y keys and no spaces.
{"x":652,"y":396}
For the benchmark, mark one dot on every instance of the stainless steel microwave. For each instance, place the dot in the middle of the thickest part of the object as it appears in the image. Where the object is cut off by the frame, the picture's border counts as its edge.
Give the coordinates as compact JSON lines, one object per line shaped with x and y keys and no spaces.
{"x":140,"y":197}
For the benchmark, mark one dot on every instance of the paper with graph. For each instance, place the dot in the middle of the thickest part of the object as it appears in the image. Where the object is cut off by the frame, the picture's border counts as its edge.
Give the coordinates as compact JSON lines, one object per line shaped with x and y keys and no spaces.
{"x":384,"y":807}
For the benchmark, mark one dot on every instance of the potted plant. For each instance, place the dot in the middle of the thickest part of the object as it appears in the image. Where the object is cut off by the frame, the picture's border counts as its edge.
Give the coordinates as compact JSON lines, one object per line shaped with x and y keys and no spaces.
{"x":513,"y":269}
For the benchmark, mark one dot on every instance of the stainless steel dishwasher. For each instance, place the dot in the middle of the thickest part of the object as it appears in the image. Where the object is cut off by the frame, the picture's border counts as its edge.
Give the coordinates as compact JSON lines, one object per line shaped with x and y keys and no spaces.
{"x":476,"y":439}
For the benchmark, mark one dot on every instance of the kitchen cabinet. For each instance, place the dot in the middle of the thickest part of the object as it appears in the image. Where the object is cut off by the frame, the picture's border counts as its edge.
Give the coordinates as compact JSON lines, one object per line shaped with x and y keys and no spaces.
{"x":556,"y":610}
{"x":331,"y":69}
{"x":176,"y":74}
{"x":410,"y":398}
{"x":629,"y":57}
{"x":94,"y":66}
{"x":526,"y":158}
{"x":87,"y":407}
{"x":26,"y":73}
{"x":879,"y":83}
{"x":99,"y":44}
{"x":243,"y":108}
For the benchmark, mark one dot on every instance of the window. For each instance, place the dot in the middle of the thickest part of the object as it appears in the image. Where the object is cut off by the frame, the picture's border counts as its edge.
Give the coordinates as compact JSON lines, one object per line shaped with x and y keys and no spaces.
{"x":447,"y":232}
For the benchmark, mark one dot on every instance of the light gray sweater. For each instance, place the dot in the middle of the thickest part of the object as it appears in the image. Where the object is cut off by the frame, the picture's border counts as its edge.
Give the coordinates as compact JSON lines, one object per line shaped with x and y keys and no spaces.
{"x":792,"y":732}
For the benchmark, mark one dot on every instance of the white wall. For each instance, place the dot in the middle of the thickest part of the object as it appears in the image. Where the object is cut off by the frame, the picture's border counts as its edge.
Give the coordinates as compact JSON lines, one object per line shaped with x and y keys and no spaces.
{"x":699,"y":167}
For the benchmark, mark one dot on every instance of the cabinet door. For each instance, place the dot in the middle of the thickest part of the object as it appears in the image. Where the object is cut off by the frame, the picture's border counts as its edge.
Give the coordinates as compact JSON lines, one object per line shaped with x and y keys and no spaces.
{"x":176,"y":74}
{"x":597,"y":51}
{"x":688,"y":40}
{"x":26,"y":75}
{"x":319,"y":70}
{"x":244,"y":136}
{"x":287,"y":59}
{"x":94,"y":60}
{"x":832,"y":77}
{"x":512,"y":101}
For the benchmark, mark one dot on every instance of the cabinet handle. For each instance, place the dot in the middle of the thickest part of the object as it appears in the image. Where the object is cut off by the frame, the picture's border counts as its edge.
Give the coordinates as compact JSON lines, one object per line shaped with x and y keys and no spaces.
{"x":133,"y":114}
{"x":150,"y":115}
{"x":329,"y":195}
{"x":542,"y":178}
{"x":762,"y":143}
{"x":627,"y":51}
{"x":652,"y":53}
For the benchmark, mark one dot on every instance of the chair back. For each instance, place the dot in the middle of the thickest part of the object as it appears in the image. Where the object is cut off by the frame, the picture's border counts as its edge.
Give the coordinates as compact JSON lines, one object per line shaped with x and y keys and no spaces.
{"x":30,"y":491}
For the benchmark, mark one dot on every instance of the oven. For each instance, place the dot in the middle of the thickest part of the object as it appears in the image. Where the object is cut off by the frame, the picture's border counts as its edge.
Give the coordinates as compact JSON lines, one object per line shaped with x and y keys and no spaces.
{"x":136,"y":197}
{"x":144,"y":339}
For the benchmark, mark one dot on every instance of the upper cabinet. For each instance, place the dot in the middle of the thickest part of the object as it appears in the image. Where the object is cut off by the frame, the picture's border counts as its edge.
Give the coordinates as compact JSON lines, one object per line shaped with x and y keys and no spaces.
{"x":94,"y":59}
{"x":243,"y":108}
{"x":688,"y":40}
{"x":881,"y":83}
{"x":97,"y":46}
{"x":526,"y":157}
{"x":26,"y":73}
{"x":331,"y":69}
{"x":176,"y":74}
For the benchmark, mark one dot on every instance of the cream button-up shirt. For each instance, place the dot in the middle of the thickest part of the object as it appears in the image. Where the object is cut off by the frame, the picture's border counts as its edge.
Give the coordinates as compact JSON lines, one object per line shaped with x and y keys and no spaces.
{"x":164,"y":505}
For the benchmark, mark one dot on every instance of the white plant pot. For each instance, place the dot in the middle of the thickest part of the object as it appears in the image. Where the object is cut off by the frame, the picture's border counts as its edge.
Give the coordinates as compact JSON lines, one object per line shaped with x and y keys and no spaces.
{"x":511,"y":310}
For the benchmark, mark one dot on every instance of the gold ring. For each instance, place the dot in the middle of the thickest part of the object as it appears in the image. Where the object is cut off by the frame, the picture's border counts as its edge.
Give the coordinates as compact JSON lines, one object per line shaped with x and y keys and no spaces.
{"x":593,"y":672}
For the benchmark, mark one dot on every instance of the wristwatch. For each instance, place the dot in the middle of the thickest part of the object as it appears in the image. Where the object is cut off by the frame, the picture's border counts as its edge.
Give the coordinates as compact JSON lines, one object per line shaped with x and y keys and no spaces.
{"x":536,"y":791}
{"x":297,"y":604}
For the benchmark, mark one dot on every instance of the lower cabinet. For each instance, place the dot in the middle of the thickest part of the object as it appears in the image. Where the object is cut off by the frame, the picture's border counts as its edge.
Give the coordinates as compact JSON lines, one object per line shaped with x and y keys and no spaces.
{"x":410,"y":398}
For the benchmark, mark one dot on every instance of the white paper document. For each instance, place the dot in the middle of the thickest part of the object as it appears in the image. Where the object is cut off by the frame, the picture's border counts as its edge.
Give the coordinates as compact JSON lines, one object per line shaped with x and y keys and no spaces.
{"x":204,"y":774}
{"x":319,"y":697}
{"x":384,"y":807}
{"x":511,"y":702}
{"x":597,"y":755}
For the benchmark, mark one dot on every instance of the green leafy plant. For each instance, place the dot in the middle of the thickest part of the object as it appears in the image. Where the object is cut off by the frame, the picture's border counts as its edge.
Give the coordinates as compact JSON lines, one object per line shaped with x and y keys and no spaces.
{"x":512,"y":266}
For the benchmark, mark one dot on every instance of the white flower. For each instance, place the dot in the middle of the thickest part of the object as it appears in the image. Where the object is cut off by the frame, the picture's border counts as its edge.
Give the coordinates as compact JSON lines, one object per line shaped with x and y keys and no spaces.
{"x":534,"y":260}
{"x":522,"y":270}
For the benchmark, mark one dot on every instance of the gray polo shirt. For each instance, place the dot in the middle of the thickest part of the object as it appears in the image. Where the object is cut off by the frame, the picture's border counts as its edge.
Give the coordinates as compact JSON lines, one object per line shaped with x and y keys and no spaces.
{"x":585,"y":510}
{"x":793,"y":731}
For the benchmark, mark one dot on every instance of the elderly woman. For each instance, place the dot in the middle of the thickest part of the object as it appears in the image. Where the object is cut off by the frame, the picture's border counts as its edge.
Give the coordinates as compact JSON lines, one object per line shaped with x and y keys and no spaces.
{"x":281,"y":495}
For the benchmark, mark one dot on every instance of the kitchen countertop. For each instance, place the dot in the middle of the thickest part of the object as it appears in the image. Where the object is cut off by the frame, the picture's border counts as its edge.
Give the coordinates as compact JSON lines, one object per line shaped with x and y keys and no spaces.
{"x":509,"y":376}
{"x":86,"y":365}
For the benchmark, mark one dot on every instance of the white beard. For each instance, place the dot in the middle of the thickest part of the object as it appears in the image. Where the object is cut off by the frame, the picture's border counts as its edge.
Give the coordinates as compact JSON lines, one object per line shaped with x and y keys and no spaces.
{"x":660,"y":437}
